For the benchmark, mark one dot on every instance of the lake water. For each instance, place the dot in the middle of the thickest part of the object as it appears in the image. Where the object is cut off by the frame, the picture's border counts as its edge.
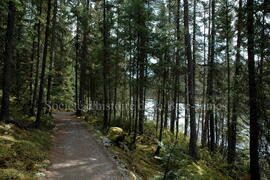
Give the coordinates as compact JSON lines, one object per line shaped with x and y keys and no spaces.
{"x":151,"y":107}
{"x":150,"y":111}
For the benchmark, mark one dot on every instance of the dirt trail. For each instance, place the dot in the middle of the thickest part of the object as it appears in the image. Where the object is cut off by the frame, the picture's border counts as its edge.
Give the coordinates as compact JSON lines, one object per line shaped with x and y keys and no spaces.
{"x":77,"y":155}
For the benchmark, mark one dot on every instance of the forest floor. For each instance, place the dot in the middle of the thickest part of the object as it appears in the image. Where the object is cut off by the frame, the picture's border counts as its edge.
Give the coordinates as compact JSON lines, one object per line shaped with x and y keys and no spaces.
{"x":76,"y":154}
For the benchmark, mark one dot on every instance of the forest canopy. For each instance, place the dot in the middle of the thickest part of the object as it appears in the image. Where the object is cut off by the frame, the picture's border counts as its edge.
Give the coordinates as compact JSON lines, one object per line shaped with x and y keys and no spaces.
{"x":165,"y":68}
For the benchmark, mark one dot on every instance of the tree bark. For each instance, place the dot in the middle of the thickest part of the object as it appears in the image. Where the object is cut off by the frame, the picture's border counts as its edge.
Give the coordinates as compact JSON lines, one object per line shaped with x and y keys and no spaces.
{"x":141,"y":60}
{"x":31,"y":72}
{"x":186,"y":102}
{"x":205,"y":135}
{"x":194,"y":31}
{"x":32,"y":110}
{"x":176,"y":72}
{"x":52,"y":52}
{"x":105,"y":68}
{"x":210,"y":92}
{"x":83,"y":61}
{"x":43,"y":67}
{"x":77,"y":67}
{"x":232,"y":126}
{"x":204,"y":78}
{"x":9,"y":50}
{"x":254,"y":126}
{"x":191,"y":84}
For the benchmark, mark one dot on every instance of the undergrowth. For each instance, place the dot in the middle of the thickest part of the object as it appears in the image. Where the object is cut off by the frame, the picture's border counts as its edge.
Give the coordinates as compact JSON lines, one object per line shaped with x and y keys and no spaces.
{"x":24,"y":152}
{"x":173,"y":161}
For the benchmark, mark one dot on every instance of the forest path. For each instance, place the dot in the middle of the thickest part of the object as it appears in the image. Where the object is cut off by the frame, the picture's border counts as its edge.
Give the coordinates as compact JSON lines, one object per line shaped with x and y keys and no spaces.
{"x":77,"y":155}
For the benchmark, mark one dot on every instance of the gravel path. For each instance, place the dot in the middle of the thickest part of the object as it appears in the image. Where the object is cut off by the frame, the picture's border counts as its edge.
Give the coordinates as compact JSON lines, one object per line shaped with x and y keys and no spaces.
{"x":77,"y":155}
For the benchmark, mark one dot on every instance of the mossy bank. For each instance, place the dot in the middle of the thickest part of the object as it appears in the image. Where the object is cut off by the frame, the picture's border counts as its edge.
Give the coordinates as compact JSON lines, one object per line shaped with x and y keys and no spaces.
{"x":23,"y":152}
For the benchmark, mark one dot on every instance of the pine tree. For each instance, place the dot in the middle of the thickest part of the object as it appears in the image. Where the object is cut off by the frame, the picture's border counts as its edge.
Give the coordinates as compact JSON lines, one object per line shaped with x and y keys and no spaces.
{"x":43,"y":68}
{"x":254,"y":126}
{"x":232,"y":125}
{"x":52,"y":52}
{"x":9,"y":50}
{"x":191,"y":83}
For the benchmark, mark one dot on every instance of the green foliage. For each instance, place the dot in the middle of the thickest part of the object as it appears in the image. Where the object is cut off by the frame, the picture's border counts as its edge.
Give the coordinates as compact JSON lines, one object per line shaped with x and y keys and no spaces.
{"x":174,"y":156}
{"x":124,"y":23}
{"x":94,"y":120}
{"x":19,"y":116}
{"x":139,"y":160}
{"x":14,"y":174}
{"x":22,"y":152}
{"x":208,"y":165}
{"x":47,"y":121}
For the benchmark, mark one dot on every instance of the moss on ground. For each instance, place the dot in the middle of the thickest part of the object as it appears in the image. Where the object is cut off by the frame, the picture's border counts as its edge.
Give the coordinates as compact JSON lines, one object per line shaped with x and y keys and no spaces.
{"x":23,"y":153}
{"x":140,"y":160}
{"x":173,"y":160}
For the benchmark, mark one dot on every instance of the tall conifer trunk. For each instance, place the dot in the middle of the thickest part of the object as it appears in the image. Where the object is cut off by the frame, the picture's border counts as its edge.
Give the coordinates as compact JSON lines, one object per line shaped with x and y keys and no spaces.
{"x":210,"y":91}
{"x":32,"y":110}
{"x":176,"y":69}
{"x":191,"y":83}
{"x":43,"y":68}
{"x":233,"y":123}
{"x":52,"y":52}
{"x":105,"y":68}
{"x":9,"y":50}
{"x":254,"y":126}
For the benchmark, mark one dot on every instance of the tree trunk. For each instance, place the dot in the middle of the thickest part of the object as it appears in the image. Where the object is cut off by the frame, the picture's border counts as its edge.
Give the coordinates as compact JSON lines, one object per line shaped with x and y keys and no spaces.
{"x":9,"y":50}
{"x":228,"y":70}
{"x":162,"y":112}
{"x":31,"y":71}
{"x":141,"y":60}
{"x":191,"y":84}
{"x":194,"y":31}
{"x":177,"y":116}
{"x":204,"y":78}
{"x":77,"y":68}
{"x":254,"y":126}
{"x":136,"y":102}
{"x":166,"y":109}
{"x":18,"y":63}
{"x":52,"y":52}
{"x":176,"y":72}
{"x":105,"y":68}
{"x":186,"y":102}
{"x":43,"y":68}
{"x":157,"y":112}
{"x":232,"y":125}
{"x":32,"y":111}
{"x":205,"y":135}
{"x":210,"y":94}
{"x":131,"y":87}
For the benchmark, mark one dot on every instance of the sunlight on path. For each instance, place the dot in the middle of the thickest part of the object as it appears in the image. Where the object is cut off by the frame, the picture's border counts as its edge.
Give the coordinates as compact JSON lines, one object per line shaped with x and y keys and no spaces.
{"x":76,"y":154}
